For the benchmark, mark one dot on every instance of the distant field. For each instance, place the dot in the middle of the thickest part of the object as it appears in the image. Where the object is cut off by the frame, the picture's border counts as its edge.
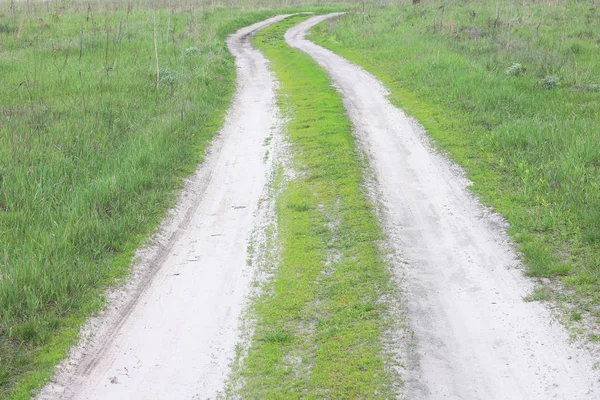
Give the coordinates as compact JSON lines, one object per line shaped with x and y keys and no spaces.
{"x":511,"y":90}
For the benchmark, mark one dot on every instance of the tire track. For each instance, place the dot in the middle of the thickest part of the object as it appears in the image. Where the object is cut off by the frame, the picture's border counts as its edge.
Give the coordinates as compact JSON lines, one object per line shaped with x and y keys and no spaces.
{"x":462,"y":285}
{"x":172,"y":332}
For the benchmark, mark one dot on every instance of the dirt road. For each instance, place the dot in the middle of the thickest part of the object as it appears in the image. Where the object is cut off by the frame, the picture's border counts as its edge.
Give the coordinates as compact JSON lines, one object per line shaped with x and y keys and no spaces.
{"x":171,"y":333}
{"x":475,"y":337}
{"x":173,"y":336}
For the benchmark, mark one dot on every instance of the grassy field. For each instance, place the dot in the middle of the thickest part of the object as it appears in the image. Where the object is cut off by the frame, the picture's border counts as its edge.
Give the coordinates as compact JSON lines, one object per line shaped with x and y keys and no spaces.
{"x":511,"y":91}
{"x":102,"y":112}
{"x":319,"y":326}
{"x":105,"y":107}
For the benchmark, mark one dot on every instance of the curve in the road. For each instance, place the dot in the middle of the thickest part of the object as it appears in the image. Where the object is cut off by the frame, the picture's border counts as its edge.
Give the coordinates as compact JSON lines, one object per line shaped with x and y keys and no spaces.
{"x":176,"y":337}
{"x":476,"y":338}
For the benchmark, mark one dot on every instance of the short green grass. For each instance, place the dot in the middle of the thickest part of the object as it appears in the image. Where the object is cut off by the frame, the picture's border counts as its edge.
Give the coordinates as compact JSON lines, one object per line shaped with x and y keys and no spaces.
{"x":319,"y":326}
{"x":92,"y":151}
{"x":510,"y":90}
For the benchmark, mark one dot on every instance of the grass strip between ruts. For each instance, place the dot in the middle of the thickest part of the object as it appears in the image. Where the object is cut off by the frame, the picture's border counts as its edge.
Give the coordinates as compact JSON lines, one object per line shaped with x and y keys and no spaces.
{"x":319,"y":327}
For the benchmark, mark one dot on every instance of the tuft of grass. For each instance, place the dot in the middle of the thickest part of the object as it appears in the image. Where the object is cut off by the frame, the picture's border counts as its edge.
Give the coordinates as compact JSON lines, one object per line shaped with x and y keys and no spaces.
{"x":319,"y":326}
{"x":550,"y":82}
{"x":532,"y":153}
{"x":515,"y":70}
{"x":540,"y":293}
{"x":278,"y":336}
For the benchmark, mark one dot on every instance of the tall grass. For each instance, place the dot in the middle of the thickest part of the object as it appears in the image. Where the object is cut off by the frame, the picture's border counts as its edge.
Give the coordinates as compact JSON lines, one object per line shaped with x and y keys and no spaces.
{"x":510,"y":89}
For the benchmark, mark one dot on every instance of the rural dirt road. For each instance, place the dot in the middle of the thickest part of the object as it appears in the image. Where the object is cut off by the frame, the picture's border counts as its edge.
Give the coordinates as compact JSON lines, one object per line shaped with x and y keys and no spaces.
{"x":475,"y":337}
{"x":171,"y":333}
{"x":173,"y":337}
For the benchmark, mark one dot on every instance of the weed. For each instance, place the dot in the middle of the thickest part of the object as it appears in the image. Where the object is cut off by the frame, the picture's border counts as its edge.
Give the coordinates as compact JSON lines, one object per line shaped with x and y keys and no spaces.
{"x":575,"y":316}
{"x":593,"y":87}
{"x":561,"y":269}
{"x":540,"y":293}
{"x":550,"y":82}
{"x":278,"y":336}
{"x":6,"y":27}
{"x":168,"y":77}
{"x":515,"y":70}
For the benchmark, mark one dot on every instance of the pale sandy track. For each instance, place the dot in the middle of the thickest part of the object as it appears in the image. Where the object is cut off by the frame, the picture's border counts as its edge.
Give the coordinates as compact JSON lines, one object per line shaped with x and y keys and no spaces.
{"x":475,"y":337}
{"x":172,"y":334}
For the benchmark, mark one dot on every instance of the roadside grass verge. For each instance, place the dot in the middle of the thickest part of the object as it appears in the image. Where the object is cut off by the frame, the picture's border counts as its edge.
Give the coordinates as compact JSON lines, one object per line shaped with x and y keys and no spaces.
{"x":94,"y":144}
{"x":318,"y":327}
{"x":510,"y":90}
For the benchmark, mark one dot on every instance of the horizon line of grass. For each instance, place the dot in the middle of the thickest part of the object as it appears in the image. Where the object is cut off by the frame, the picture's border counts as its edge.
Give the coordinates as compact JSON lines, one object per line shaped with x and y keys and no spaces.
{"x":319,"y":323}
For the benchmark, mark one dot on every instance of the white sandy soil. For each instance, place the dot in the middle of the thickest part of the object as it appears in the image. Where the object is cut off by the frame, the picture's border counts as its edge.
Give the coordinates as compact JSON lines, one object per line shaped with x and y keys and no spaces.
{"x":475,"y":337}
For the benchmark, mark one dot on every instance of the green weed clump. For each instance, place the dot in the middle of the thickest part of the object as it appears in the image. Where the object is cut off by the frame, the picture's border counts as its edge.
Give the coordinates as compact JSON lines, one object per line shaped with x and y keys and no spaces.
{"x":515,"y":70}
{"x":319,"y":323}
{"x":476,"y":75}
{"x":94,"y":142}
{"x":550,"y":81}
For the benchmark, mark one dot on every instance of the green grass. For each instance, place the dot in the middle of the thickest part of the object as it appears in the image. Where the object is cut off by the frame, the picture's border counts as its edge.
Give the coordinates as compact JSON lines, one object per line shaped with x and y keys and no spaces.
{"x":318,"y":330}
{"x":531,"y":149}
{"x":92,"y":151}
